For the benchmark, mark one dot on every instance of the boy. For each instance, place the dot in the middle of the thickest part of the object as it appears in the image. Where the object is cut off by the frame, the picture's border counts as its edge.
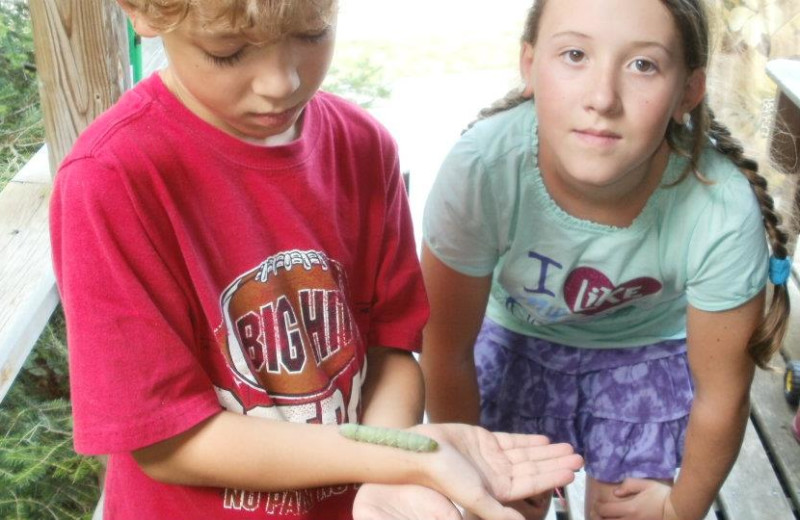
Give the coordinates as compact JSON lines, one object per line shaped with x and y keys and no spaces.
{"x":233,"y":250}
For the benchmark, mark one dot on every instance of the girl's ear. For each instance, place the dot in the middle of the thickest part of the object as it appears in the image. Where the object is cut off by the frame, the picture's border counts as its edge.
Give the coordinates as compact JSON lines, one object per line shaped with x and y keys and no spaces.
{"x":140,"y":22}
{"x":693,"y":94}
{"x":526,"y":56}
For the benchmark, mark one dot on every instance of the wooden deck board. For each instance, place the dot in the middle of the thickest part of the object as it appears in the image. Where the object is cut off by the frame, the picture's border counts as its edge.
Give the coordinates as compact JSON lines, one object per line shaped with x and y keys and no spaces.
{"x":773,"y":415}
{"x":752,"y":490}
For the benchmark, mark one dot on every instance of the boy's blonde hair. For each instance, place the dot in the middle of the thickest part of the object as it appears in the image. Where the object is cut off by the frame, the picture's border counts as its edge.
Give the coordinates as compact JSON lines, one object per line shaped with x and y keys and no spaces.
{"x":258,"y":20}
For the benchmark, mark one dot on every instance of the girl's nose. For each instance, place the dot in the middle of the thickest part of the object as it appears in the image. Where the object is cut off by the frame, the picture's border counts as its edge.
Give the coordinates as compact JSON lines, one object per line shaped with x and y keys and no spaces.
{"x":276,"y":76}
{"x":602,"y":93}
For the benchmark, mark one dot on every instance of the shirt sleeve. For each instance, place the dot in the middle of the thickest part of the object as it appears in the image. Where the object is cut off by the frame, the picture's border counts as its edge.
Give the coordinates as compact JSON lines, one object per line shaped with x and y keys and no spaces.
{"x":134,"y":374}
{"x":728,"y":255}
{"x":401,"y":306}
{"x":460,"y":222}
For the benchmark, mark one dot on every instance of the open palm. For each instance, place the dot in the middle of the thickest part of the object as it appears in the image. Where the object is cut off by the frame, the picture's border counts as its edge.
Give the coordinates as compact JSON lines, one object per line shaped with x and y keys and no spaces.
{"x":476,"y":469}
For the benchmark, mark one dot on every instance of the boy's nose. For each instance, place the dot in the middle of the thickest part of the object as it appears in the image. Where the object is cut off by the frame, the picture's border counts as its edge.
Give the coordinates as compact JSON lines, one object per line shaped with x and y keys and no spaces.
{"x":277,"y":76}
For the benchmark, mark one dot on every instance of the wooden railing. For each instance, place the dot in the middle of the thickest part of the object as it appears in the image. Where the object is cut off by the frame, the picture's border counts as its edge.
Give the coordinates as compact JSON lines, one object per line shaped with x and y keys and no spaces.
{"x":27,"y":286}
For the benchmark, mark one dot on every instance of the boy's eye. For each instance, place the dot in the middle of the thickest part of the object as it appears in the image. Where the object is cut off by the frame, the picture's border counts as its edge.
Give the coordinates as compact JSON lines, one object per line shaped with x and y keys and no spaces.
{"x":642,"y":65}
{"x":225,"y":61}
{"x":314,"y":36}
{"x":574,"y":56}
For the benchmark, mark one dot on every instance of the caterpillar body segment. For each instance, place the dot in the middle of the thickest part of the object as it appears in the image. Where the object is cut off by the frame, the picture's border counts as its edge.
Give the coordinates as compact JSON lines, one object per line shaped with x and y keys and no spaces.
{"x":388,"y":437}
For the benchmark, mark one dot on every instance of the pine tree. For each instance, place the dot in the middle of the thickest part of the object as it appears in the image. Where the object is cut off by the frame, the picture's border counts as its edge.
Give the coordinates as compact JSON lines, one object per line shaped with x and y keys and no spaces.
{"x":40,"y":474}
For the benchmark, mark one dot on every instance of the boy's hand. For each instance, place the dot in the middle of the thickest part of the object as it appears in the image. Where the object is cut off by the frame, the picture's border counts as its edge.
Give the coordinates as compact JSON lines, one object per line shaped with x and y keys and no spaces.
{"x":639,"y":499}
{"x":534,"y":508}
{"x":409,"y":502}
{"x":478,"y":469}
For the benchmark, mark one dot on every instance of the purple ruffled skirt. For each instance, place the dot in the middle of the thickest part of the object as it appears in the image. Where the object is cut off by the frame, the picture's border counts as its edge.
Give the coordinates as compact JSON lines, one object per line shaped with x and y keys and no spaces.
{"x":625,"y":410}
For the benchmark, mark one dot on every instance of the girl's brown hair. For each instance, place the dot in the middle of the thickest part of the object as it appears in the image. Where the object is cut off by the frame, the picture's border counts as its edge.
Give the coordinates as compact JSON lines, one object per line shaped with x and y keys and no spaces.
{"x":689,"y":140}
{"x":258,"y":20}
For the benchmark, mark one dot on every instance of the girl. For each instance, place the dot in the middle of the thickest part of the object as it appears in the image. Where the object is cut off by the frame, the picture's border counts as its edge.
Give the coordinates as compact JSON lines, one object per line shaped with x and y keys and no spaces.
{"x":596,"y":263}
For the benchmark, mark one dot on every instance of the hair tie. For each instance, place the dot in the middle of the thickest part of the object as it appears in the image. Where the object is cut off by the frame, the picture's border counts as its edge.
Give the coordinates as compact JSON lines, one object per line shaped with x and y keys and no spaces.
{"x":779,"y":269}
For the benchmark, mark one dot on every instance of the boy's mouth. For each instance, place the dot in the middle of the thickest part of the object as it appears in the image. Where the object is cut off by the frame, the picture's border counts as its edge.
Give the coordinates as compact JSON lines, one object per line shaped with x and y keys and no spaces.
{"x":274,"y":119}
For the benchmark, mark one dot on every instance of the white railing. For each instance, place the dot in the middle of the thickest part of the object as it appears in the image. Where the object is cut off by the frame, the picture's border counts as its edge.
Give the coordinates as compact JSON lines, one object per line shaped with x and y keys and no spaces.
{"x":28,"y":293}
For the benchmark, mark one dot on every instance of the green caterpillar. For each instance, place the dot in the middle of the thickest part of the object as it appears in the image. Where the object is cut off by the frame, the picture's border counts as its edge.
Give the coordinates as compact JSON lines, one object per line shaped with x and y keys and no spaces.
{"x":388,"y":437}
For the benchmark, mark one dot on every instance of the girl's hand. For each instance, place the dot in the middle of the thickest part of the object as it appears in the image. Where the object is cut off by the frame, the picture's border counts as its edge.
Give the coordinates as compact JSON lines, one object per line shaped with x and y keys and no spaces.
{"x":409,"y":502}
{"x":479,"y":470}
{"x":639,"y":499}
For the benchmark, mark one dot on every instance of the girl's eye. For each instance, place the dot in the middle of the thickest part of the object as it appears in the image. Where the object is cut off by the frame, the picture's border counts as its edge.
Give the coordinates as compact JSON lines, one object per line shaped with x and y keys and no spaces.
{"x":574,"y":56}
{"x":225,"y":61}
{"x":645,"y":66}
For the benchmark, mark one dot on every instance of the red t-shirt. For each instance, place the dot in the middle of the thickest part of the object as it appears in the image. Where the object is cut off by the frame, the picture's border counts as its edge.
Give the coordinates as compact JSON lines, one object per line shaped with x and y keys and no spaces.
{"x":200,"y":272}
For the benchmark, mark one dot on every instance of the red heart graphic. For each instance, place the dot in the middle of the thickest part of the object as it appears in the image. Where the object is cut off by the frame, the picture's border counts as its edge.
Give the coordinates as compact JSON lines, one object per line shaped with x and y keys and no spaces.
{"x":588,"y":291}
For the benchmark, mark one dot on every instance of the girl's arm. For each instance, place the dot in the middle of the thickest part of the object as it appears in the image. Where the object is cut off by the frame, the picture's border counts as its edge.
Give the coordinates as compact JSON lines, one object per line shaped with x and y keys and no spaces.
{"x":393,"y":393}
{"x":722,"y":372}
{"x":458,"y":303}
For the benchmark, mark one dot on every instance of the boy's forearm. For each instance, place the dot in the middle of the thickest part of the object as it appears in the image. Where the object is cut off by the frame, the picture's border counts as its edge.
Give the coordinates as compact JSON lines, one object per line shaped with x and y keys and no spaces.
{"x":240,"y":452}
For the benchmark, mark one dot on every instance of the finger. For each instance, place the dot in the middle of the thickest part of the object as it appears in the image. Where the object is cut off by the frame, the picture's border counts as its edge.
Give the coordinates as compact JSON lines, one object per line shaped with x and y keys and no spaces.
{"x":630,"y":486}
{"x":524,"y":486}
{"x":571,"y":462}
{"x":529,"y":453}
{"x":487,"y":508}
{"x":519,"y":440}
{"x":611,"y":510}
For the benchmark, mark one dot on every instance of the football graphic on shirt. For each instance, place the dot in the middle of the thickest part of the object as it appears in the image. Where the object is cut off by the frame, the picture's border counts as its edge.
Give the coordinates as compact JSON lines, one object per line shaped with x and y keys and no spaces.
{"x":289,"y":329}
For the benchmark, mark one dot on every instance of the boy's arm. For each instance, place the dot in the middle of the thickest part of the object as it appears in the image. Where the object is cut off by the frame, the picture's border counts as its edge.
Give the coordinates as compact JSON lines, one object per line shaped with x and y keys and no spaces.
{"x":231,"y":450}
{"x":470,"y":466}
{"x":246,"y":452}
{"x":458,"y":304}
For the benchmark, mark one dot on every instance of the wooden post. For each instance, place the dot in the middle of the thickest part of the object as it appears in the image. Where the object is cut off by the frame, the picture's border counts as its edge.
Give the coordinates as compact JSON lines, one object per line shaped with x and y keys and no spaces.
{"x":82,"y":60}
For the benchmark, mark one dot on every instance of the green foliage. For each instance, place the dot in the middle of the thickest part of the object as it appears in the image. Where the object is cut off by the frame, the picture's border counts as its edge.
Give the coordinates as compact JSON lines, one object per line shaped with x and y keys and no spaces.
{"x":358,"y":78}
{"x":40,"y":474}
{"x":21,"y":128}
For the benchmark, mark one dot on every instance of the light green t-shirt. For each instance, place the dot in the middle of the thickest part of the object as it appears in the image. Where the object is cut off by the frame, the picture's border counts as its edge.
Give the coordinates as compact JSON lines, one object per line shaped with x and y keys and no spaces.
{"x":585,"y":284}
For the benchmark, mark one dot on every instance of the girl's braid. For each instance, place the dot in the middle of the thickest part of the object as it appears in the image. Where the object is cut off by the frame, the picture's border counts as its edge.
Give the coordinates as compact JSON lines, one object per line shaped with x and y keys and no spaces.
{"x":509,"y":101}
{"x":767,"y":338}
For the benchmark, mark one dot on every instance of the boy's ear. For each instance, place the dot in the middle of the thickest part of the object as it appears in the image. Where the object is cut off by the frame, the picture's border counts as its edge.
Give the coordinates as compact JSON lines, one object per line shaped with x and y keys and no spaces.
{"x":526,"y":57}
{"x":140,"y":22}
{"x":693,"y":94}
